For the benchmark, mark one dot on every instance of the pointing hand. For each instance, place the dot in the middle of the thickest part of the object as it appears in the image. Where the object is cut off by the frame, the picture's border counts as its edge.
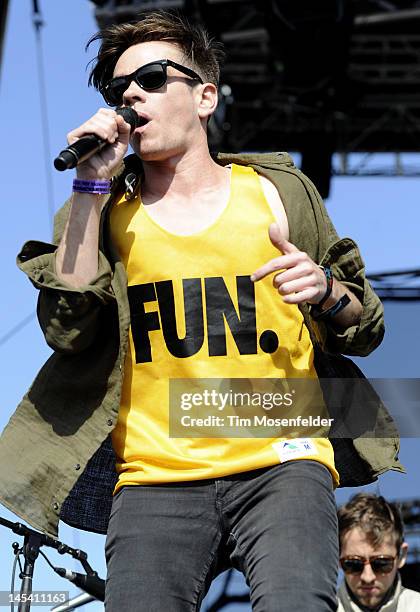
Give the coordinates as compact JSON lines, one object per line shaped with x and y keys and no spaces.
{"x":301,"y":279}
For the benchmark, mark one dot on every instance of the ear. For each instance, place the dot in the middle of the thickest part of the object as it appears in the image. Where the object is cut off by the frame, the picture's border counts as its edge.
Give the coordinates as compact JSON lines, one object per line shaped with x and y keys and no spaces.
{"x":403,"y":555}
{"x":207,"y":101}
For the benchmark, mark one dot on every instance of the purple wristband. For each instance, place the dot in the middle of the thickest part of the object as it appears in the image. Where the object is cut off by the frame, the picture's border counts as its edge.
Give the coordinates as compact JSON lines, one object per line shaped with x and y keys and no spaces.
{"x":82,"y":186}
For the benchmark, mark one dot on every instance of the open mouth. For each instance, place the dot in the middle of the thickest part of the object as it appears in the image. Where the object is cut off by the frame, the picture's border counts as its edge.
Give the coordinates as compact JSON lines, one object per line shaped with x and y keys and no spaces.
{"x":142,"y":121}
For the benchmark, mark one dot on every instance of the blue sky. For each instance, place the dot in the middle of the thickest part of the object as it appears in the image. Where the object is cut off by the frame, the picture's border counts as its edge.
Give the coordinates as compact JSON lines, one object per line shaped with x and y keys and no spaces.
{"x":381,"y":214}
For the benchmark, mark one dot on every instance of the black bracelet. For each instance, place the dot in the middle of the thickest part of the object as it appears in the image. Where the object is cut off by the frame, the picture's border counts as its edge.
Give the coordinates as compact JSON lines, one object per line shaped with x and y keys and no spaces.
{"x":317,"y":314}
{"x":330,"y":279}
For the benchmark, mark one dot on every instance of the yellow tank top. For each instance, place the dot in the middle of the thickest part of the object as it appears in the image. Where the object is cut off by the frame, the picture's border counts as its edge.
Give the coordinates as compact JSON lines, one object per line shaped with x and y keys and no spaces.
{"x":190,"y":302}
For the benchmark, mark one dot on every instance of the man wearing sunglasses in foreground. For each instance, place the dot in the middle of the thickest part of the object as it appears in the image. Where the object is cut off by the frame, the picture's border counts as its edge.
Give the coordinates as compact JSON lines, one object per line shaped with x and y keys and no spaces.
{"x":206,"y":269}
{"x":372,"y":550}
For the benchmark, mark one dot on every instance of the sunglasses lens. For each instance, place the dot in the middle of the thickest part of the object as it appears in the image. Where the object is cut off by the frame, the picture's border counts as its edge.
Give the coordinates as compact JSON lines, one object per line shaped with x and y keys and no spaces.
{"x":151,"y":77}
{"x":352,"y":566}
{"x":382,"y":566}
{"x":113,"y":92}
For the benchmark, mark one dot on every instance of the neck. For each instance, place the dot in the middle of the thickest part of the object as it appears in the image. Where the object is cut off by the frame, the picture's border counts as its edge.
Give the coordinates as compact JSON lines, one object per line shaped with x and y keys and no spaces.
{"x":181,"y":176}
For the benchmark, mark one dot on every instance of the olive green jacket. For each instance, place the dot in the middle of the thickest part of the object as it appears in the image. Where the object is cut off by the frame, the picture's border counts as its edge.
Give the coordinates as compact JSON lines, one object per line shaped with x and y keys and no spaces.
{"x":62,"y":425}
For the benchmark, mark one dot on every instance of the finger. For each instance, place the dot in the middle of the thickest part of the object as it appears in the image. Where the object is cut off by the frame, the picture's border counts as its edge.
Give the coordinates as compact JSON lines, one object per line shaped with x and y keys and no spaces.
{"x":104,"y":132}
{"x":103,"y":124}
{"x":300,"y":296}
{"x":303,"y":269}
{"x":300,"y":284}
{"x":123,"y":126}
{"x":279,"y":241}
{"x":279,"y":263}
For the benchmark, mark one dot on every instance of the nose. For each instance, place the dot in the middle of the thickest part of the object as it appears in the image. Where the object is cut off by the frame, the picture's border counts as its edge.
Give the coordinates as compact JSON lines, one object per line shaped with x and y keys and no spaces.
{"x":133,"y":93}
{"x":367,"y":575}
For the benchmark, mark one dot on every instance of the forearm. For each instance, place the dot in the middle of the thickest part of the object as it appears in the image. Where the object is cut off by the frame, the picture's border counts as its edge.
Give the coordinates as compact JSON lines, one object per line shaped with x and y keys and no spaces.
{"x":77,"y":254}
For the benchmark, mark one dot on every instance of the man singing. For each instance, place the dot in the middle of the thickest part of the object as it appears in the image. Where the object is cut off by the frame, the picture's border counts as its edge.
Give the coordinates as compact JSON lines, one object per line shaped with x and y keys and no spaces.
{"x":168,"y":264}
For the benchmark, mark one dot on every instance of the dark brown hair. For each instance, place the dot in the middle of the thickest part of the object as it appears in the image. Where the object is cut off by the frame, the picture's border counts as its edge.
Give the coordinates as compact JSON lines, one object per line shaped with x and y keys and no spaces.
{"x":201,"y":52}
{"x":376,"y":517}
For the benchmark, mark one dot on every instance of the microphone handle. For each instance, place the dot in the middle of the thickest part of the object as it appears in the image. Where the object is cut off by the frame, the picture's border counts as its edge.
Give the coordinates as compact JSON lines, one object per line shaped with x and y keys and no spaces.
{"x":71,"y":156}
{"x":90,"y":584}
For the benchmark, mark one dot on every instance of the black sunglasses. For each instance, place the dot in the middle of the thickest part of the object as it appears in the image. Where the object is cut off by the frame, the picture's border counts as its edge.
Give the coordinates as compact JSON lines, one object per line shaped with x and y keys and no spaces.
{"x":380,"y":564}
{"x":150,"y":76}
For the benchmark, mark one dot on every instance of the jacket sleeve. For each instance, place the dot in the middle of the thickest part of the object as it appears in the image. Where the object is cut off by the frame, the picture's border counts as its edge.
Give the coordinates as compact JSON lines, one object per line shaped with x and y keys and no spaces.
{"x":69,"y":317}
{"x":348,"y":267}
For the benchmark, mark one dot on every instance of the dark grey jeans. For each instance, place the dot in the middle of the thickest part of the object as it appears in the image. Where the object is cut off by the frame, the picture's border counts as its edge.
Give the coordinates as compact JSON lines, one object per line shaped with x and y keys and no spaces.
{"x":277,"y":525}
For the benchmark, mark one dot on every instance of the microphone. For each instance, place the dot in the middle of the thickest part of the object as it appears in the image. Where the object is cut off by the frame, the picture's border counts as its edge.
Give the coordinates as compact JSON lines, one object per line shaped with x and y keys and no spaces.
{"x":91,"y":584}
{"x":90,"y":144}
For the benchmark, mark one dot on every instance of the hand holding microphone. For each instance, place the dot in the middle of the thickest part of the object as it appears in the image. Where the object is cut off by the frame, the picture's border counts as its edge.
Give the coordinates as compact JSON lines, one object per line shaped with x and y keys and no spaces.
{"x":98,"y":146}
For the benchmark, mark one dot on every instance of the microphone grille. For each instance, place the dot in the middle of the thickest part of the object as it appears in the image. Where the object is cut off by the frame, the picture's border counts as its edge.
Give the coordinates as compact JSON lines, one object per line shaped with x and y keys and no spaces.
{"x":129,"y":115}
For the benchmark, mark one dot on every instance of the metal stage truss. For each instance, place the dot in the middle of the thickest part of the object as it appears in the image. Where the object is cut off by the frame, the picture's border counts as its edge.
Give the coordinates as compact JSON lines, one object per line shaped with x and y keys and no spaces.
{"x":399,"y":285}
